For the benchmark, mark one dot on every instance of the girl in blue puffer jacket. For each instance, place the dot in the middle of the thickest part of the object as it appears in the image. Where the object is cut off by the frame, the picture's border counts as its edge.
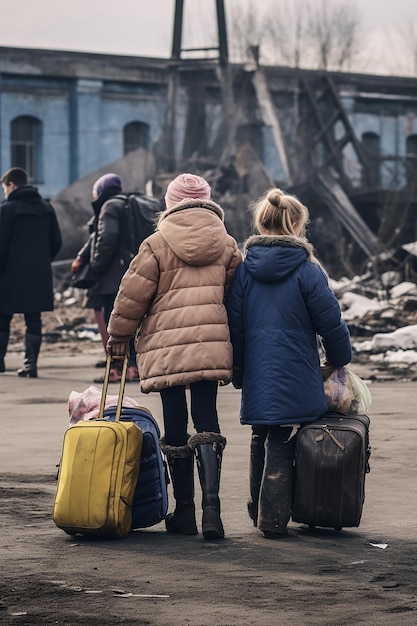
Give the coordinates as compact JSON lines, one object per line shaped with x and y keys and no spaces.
{"x":278,"y":304}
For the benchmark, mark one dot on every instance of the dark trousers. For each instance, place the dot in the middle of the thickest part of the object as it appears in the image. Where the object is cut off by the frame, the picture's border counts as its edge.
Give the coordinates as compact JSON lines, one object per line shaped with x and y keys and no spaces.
{"x":33,"y":323}
{"x":108,"y":302}
{"x":275,"y":438}
{"x":271,"y":477}
{"x":203,"y":411}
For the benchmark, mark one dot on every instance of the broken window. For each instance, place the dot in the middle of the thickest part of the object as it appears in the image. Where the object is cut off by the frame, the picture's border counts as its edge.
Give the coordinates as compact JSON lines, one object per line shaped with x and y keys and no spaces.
{"x":371,"y":172}
{"x":135,"y":135}
{"x":411,"y":160}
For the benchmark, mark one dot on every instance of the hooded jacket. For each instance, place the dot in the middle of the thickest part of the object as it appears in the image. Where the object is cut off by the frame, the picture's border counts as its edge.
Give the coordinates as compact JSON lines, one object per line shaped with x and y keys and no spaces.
{"x":30,"y":238}
{"x":279,"y":301}
{"x":106,"y":246}
{"x":173,"y":292}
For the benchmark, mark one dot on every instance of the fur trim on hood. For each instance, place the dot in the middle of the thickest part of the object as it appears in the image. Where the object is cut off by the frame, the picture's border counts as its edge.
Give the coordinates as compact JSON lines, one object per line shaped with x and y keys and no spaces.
{"x":284,"y":241}
{"x":193,"y":204}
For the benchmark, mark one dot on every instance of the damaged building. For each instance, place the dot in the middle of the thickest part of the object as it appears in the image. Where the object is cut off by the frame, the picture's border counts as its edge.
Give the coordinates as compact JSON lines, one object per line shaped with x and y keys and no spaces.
{"x":345,"y":144}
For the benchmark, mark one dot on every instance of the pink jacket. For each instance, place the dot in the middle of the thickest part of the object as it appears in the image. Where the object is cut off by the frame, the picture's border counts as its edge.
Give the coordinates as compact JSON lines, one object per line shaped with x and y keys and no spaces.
{"x":173,"y":295}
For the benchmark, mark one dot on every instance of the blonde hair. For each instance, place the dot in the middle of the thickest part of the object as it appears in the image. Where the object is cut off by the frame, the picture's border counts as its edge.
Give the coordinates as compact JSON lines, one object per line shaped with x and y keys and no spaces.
{"x":277,"y":212}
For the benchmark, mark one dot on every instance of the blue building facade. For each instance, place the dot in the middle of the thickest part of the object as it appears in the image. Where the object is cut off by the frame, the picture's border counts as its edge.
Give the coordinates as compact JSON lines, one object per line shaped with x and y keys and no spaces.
{"x":64,"y":115}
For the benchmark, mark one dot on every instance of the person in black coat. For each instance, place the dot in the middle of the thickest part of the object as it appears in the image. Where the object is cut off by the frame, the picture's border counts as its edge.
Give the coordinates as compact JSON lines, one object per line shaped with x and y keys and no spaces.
{"x":30,"y":238}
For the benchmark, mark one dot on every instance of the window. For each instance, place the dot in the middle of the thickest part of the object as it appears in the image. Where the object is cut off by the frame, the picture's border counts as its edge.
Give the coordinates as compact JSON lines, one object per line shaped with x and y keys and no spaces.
{"x":26,"y":134}
{"x":411,"y":160}
{"x":371,"y":173}
{"x":135,"y":135}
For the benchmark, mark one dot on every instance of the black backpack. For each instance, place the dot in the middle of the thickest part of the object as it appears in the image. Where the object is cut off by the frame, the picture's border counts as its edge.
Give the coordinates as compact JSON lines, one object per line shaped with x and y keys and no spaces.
{"x":140,"y":218}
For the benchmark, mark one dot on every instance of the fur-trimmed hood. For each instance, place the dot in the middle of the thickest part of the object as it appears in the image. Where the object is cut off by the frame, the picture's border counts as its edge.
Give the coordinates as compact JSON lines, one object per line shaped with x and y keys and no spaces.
{"x":285,"y":241}
{"x":195,"y":231}
{"x":272,"y":258}
{"x":279,"y":301}
{"x":194,"y":204}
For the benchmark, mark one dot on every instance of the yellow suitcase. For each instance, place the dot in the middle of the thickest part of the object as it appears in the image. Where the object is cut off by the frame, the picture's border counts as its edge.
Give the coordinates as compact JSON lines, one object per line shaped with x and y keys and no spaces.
{"x":98,"y":473}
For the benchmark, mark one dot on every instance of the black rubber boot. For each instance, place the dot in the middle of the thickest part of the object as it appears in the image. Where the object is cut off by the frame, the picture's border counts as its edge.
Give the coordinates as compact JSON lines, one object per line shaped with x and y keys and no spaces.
{"x":4,"y":340}
{"x":32,"y":347}
{"x":208,"y":448}
{"x":181,"y":468}
{"x":276,"y":497}
{"x":256,"y":469}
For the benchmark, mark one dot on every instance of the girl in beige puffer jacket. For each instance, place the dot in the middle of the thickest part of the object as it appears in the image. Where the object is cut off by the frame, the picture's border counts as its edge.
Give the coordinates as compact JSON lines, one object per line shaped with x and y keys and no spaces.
{"x":172,"y":297}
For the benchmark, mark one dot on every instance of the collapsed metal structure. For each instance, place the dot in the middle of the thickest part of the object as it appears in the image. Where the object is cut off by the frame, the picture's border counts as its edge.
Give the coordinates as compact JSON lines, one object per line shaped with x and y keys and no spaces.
{"x":357,"y":220}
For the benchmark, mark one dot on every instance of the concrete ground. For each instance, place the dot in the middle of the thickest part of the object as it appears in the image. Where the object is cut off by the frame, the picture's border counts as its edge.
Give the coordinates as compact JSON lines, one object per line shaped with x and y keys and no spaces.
{"x":364,"y":575}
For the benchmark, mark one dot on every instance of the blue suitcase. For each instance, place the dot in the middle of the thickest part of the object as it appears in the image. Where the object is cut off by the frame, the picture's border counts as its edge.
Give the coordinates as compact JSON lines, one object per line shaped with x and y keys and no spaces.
{"x":150,"y":503}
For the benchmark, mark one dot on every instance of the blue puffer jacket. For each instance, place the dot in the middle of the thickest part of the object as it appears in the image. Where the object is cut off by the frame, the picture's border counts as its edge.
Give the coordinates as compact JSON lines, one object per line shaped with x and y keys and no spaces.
{"x":278,"y":303}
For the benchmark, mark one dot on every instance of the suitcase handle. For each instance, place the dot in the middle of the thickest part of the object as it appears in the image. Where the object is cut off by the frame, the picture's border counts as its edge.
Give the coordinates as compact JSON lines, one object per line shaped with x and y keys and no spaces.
{"x":106,"y":385}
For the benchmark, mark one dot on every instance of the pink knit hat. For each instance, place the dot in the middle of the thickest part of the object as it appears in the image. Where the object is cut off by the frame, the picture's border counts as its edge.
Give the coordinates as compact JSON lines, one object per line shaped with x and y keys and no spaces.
{"x":187,"y":186}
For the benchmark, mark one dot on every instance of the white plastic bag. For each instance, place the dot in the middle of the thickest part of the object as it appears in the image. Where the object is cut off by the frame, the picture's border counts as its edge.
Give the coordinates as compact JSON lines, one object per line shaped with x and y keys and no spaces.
{"x":361,"y":392}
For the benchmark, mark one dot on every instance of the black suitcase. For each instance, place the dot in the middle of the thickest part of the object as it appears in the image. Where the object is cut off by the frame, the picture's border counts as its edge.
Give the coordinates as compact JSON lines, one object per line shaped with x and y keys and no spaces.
{"x":331,"y":460}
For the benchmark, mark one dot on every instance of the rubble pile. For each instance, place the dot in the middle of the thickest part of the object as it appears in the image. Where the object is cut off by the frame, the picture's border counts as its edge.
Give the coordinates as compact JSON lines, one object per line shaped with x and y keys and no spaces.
{"x":381,"y":314}
{"x":382,"y":319}
{"x":64,"y":328}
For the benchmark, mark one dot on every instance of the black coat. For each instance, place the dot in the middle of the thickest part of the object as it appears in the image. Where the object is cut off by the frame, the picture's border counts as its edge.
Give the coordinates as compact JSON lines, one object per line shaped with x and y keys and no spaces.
{"x":109,"y":254}
{"x":30,"y":239}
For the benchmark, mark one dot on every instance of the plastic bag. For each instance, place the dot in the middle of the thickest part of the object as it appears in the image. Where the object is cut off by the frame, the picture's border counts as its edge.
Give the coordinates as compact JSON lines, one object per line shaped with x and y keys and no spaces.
{"x":362,"y":395}
{"x":346,"y":392}
{"x":85,"y":405}
{"x":338,"y":391}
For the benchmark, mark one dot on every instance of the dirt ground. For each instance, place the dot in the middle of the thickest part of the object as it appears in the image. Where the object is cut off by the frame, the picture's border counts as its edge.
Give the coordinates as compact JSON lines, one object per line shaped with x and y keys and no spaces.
{"x":364,"y":575}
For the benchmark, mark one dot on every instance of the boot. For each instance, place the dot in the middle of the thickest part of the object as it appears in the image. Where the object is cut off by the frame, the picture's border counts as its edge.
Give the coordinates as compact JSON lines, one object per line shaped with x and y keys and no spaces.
{"x":4,"y":340}
{"x":181,"y":468}
{"x":32,"y":347}
{"x":132,"y":374}
{"x":276,"y":498}
{"x":208,"y":448}
{"x":115,"y":374}
{"x":256,"y":469}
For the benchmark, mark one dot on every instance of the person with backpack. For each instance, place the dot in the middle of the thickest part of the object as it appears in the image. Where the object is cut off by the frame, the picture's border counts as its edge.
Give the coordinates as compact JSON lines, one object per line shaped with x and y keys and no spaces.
{"x":173,"y":294}
{"x":279,"y":303}
{"x":113,"y":242}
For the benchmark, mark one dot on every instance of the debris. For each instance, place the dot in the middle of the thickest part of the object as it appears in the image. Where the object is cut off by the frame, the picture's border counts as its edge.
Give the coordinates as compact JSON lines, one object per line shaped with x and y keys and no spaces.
{"x":404,"y":339}
{"x":18,"y":613}
{"x":140,"y":595}
{"x":379,"y":308}
{"x":354,"y":305}
{"x":379,"y":545}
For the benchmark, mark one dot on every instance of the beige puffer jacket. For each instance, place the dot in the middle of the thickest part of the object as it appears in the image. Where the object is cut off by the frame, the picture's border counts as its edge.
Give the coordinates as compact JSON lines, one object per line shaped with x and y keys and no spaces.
{"x":173,"y":292}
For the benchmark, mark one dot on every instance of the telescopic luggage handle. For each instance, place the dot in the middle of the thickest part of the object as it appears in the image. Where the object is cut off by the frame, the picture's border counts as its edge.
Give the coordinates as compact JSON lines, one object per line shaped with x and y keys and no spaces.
{"x":106,"y":385}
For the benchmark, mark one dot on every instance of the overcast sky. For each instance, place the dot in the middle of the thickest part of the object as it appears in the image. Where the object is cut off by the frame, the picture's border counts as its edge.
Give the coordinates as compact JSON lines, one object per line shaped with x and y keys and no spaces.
{"x":144,"y":27}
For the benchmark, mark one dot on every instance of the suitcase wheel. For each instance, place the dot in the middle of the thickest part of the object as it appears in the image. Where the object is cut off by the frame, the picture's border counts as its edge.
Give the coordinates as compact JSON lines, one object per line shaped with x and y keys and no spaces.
{"x":338,"y":528}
